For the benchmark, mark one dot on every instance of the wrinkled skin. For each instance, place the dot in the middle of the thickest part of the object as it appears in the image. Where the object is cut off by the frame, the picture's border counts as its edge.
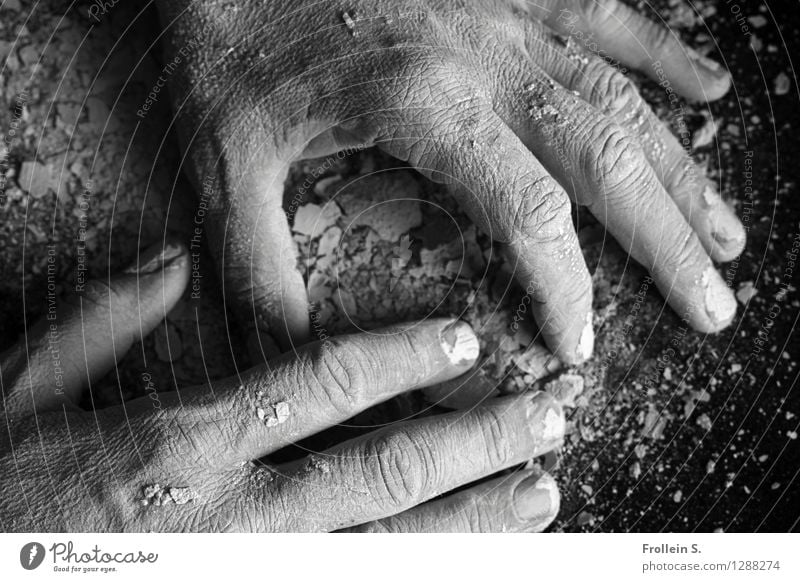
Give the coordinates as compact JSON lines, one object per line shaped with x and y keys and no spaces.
{"x":186,"y":461}
{"x":477,"y":94}
{"x":503,"y":100}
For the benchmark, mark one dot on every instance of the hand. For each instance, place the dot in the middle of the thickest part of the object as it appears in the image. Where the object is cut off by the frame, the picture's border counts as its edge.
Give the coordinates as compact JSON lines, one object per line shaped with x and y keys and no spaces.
{"x":501,"y":99}
{"x":187,"y":460}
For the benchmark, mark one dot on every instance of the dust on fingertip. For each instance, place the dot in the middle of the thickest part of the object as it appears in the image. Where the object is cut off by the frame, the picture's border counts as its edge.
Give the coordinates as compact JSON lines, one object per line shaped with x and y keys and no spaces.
{"x":546,"y":421}
{"x":460,"y":343}
{"x":710,"y":66}
{"x":718,"y":299}
{"x":586,"y":341}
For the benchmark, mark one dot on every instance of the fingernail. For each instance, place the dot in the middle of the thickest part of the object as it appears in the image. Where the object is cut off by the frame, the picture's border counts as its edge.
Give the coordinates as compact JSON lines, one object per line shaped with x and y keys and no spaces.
{"x":546,"y":421}
{"x":719,"y":301}
{"x":711,"y":66}
{"x":460,"y":343}
{"x":726,"y":229}
{"x":586,"y":342}
{"x":536,"y":498}
{"x":158,"y":257}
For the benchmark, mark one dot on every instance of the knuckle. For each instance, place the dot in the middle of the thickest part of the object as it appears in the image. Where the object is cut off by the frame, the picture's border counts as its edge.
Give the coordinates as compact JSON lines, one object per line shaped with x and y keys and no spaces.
{"x":683,"y":176}
{"x":398,"y":469}
{"x":409,"y":71}
{"x":541,"y":211}
{"x":340,"y":372}
{"x":613,"y":156}
{"x":614,"y":91}
{"x":449,"y":122}
{"x":496,"y":436}
{"x":678,"y":256}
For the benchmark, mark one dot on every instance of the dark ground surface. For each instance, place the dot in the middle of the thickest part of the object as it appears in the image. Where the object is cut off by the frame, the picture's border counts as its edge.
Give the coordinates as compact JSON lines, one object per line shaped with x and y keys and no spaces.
{"x":674,"y":430}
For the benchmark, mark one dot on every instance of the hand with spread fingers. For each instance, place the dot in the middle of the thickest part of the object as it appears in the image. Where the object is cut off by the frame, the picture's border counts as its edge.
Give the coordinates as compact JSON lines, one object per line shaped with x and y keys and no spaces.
{"x":189,"y":460}
{"x":519,"y":106}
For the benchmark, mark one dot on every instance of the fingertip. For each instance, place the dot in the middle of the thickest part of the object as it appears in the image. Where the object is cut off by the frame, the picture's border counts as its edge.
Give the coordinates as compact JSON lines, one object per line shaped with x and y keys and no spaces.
{"x":422,"y":353}
{"x":536,"y":500}
{"x":546,"y":420}
{"x":574,"y":343}
{"x":715,"y":79}
{"x":717,"y":303}
{"x":728,"y":235}
{"x":160,"y":273}
{"x":460,"y":343}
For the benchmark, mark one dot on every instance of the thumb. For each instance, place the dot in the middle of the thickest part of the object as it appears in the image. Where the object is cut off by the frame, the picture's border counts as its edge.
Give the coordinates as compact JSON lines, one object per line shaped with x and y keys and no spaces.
{"x":85,"y":336}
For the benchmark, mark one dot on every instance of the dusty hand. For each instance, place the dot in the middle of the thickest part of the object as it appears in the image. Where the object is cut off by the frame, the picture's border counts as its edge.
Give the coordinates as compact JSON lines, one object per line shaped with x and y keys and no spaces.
{"x":501,"y":99}
{"x":187,"y":460}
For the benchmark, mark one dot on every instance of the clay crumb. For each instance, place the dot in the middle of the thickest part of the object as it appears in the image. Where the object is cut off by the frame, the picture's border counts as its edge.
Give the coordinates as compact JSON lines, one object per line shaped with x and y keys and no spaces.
{"x":159,"y":495}
{"x":316,"y":463}
{"x":350,"y":23}
{"x":782,"y":84}
{"x":746,"y":292}
{"x":586,"y":341}
{"x":274,"y":414}
{"x":566,"y":389}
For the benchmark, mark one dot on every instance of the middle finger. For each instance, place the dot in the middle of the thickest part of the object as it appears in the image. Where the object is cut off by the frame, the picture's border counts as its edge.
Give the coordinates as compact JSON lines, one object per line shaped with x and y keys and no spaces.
{"x":604,"y":168}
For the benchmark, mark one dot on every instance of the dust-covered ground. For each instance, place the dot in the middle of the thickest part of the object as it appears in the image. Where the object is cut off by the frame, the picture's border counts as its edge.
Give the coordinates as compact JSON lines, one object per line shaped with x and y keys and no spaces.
{"x":670,"y":429}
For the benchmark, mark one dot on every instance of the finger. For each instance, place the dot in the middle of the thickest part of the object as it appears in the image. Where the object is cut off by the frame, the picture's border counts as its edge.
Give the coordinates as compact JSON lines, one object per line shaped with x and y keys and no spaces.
{"x":80,"y":340}
{"x":401,"y":466}
{"x":323,"y":384}
{"x":612,"y":93}
{"x":251,"y":241}
{"x":508,"y":193}
{"x":604,"y":168}
{"x":526,"y":501}
{"x":620,"y":33}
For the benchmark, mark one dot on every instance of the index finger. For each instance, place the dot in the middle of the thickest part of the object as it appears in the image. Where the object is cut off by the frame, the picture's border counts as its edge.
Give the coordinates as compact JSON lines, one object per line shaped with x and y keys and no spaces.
{"x":322,"y":384}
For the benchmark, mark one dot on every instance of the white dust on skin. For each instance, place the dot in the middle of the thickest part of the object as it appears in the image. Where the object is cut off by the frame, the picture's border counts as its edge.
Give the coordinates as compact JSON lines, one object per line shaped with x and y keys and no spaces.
{"x":720,"y":304}
{"x":710,"y":196}
{"x":725,"y":227}
{"x":460,"y":343}
{"x":158,"y":495}
{"x":553,"y":425}
{"x":546,"y":421}
{"x":586,"y":341}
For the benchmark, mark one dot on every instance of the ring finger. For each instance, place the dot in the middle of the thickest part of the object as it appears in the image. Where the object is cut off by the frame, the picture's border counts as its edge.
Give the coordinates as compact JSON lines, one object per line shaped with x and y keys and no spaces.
{"x":525,"y":501}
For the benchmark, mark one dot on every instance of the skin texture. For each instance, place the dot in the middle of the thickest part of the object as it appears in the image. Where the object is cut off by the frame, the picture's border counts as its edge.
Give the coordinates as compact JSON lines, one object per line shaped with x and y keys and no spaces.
{"x":188,"y":461}
{"x":521,"y":107}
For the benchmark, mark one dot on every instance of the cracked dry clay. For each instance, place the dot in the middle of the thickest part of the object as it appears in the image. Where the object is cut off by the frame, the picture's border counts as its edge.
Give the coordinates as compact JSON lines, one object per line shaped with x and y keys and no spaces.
{"x":158,"y":495}
{"x":719,"y":302}
{"x":460,"y":343}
